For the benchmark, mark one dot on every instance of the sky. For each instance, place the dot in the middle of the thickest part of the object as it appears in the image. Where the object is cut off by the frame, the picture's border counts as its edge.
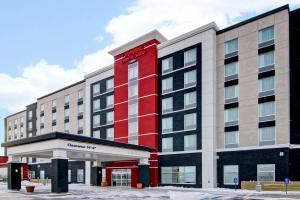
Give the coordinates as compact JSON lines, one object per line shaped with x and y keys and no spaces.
{"x":46,"y":45}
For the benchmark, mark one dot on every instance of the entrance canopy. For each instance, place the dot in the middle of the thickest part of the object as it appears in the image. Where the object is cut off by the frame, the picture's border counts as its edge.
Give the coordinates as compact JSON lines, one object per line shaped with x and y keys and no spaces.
{"x":76,"y":147}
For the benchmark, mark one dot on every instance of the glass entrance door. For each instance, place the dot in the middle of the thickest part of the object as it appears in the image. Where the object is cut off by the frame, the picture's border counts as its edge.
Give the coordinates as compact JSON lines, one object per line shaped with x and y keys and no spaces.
{"x":121,"y":177}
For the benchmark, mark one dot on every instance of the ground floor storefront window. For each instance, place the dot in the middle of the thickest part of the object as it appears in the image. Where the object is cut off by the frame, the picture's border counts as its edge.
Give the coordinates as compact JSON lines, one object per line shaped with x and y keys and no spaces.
{"x":178,"y":175}
{"x":266,"y":172}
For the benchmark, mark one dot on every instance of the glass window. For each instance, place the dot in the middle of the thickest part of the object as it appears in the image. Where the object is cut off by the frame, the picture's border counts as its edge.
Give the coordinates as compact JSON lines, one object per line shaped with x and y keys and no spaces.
{"x":30,"y":114}
{"x":231,"y":114}
{"x":110,"y":134}
{"x":67,"y":99}
{"x":190,"y":100}
{"x":267,"y":134}
{"x":110,"y":117}
{"x":42,"y":130}
{"x":133,"y":91}
{"x":30,"y":126}
{"x":133,"y":71}
{"x":110,"y":84}
{"x":167,"y":84}
{"x":266,"y":59}
{"x":110,"y":101}
{"x":96,"y":120}
{"x":190,"y":78}
{"x":167,"y":65}
{"x":96,"y":89}
{"x":190,"y":121}
{"x":80,"y":94}
{"x":231,"y":138}
{"x":53,"y":103}
{"x":266,"y":172}
{"x":231,"y":92}
{"x":42,"y":107}
{"x":54,"y":128}
{"x":231,"y":69}
{"x":80,"y":108}
{"x":231,"y":46}
{"x":178,"y":175}
{"x":80,"y":123}
{"x":167,"y":105}
{"x":96,"y":134}
{"x":53,"y":116}
{"x":167,"y":144}
{"x":267,"y":109}
{"x":42,"y":119}
{"x":266,"y":34}
{"x":133,"y":128}
{"x":66,"y":112}
{"x":96,"y":105}
{"x":190,"y":57}
{"x":80,"y":175}
{"x":132,"y":108}
{"x":190,"y":142}
{"x":230,"y":173}
{"x":67,"y":127}
{"x":266,"y":84}
{"x":69,"y":175}
{"x":167,"y":124}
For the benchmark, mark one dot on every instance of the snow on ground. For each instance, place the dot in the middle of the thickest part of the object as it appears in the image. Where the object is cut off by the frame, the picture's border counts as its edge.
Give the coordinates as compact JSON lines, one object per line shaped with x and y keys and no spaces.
{"x":81,"y":191}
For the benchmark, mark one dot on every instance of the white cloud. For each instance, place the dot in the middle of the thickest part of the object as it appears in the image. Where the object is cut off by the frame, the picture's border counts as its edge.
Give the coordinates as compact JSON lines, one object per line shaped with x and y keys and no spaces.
{"x":171,"y":17}
{"x":99,"y":38}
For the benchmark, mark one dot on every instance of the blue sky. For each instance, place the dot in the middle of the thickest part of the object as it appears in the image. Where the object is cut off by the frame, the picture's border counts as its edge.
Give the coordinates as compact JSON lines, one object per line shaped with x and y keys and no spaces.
{"x":45,"y":45}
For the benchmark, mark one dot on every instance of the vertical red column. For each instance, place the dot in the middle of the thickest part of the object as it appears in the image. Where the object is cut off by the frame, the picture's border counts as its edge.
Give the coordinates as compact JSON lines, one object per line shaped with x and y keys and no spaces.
{"x":146,"y":56}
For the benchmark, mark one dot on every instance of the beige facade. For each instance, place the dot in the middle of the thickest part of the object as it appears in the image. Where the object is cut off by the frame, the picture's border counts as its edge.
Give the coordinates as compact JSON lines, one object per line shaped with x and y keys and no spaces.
{"x":248,"y":82}
{"x":15,"y":126}
{"x":59,"y":97}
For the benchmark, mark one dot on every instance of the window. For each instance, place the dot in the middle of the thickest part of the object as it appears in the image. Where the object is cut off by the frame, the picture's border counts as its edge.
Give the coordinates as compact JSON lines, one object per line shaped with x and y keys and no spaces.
{"x":79,"y":175}
{"x":80,"y":94}
{"x":231,"y":114}
{"x":43,"y":119}
{"x":80,"y":123}
{"x":231,"y":139}
{"x":54,"y":128}
{"x":190,"y":142}
{"x":110,"y":117}
{"x":266,"y":59}
{"x":103,"y":174}
{"x":190,"y":78}
{"x":42,"y":131}
{"x":266,"y":34}
{"x":96,"y":89}
{"x":67,"y":113}
{"x":267,"y":135}
{"x":167,"y":124}
{"x":96,"y":120}
{"x":167,"y":85}
{"x":133,"y":90}
{"x":190,"y":100}
{"x":190,"y":57}
{"x":96,"y":105}
{"x":69,"y":175}
{"x":167,"y":65}
{"x":266,"y":172}
{"x":231,"y":92}
{"x":67,"y":99}
{"x":30,"y":114}
{"x":110,"y":134}
{"x":266,"y":84}
{"x":133,"y":127}
{"x":96,"y":134}
{"x":110,"y":101}
{"x":231,"y":46}
{"x":267,"y":109}
{"x":133,"y":71}
{"x":42,"y":174}
{"x":178,"y":175}
{"x":230,"y":173}
{"x":190,"y":121}
{"x":42,"y":107}
{"x":110,"y":84}
{"x":167,"y":144}
{"x":80,"y":109}
{"x":167,"y":105}
{"x":29,"y":126}
{"x":132,"y":108}
{"x":54,"y":103}
{"x":67,"y":127}
{"x":231,"y":69}
{"x":53,"y":116}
